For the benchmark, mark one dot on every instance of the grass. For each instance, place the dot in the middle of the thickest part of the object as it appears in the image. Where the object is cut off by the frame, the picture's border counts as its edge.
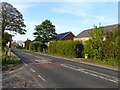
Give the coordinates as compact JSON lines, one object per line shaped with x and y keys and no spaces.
{"x":0,"y":52}
{"x":108,"y":63}
{"x":10,"y":61}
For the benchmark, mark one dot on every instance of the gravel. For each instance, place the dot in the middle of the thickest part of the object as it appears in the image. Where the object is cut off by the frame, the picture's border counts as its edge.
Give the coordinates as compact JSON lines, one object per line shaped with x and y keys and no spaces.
{"x":19,"y":78}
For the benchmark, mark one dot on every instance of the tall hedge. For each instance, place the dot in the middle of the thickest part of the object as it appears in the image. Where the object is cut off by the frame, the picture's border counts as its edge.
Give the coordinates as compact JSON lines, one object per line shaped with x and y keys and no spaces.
{"x":66,"y":48}
{"x":102,"y":48}
{"x":36,"y":47}
{"x":31,"y":46}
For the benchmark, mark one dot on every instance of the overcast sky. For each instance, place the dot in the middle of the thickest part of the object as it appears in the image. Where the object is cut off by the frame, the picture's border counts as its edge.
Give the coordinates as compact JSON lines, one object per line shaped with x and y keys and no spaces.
{"x":66,"y":16}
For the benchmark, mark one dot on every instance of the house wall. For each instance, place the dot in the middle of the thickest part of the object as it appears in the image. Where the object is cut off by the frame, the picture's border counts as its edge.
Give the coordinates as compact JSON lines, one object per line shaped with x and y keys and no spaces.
{"x":82,"y":39}
{"x":86,"y":38}
{"x":70,"y":36}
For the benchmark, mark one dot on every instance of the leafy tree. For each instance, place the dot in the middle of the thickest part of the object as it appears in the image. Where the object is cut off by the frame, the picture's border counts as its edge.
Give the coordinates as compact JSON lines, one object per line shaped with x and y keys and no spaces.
{"x":11,"y":19}
{"x":111,"y":46}
{"x":104,"y":45}
{"x":31,"y":46}
{"x":6,"y":38}
{"x":93,"y":47}
{"x":45,"y":32}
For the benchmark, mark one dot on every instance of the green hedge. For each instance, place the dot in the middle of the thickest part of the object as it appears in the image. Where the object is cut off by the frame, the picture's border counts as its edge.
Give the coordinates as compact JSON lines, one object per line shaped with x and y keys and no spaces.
{"x":36,"y":47}
{"x":66,"y":48}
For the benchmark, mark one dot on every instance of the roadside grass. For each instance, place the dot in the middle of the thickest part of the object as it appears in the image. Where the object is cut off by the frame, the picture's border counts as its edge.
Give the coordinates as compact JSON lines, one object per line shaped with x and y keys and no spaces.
{"x":0,"y":53}
{"x":11,"y":61}
{"x":0,"y":58}
{"x":107,"y":63}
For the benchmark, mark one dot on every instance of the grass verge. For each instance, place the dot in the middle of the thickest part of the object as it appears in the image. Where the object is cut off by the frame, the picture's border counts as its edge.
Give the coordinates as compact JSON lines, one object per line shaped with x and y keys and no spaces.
{"x":10,"y":62}
{"x":107,"y":63}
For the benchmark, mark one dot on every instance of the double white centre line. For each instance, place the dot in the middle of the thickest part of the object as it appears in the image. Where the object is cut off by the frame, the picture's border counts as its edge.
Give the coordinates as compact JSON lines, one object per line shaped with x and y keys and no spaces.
{"x":93,"y":73}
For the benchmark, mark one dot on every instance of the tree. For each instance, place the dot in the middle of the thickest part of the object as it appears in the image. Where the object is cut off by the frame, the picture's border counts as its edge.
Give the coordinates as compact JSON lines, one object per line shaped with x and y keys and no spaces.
{"x":110,"y":45}
{"x":11,"y":19}
{"x":6,"y":38}
{"x":45,"y":32}
{"x":31,"y":46}
{"x":93,"y":46}
{"x":104,"y":45}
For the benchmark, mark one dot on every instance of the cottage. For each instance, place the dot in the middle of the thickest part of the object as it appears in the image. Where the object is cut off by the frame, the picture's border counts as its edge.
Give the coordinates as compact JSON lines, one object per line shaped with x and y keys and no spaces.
{"x":65,"y":36}
{"x":84,"y":35}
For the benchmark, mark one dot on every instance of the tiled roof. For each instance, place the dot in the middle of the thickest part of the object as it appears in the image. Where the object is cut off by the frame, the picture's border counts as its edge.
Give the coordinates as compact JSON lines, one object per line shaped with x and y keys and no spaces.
{"x":62,"y":35}
{"x":85,"y":33}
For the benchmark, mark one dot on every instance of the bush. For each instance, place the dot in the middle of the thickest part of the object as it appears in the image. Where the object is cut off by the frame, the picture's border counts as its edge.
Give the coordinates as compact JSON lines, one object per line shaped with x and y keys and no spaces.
{"x":37,"y":47}
{"x":40,"y":47}
{"x":66,"y":48}
{"x":105,"y":50}
{"x":31,"y":46}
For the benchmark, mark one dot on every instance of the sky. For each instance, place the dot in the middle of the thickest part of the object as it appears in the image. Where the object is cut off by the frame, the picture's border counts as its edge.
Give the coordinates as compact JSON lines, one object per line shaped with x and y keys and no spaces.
{"x":66,"y":16}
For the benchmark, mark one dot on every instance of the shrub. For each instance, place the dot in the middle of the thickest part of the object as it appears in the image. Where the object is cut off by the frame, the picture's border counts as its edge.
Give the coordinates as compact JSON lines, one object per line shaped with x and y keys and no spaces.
{"x":31,"y":46}
{"x":37,"y":47}
{"x":40,"y":48}
{"x":66,"y":48}
{"x":105,"y":50}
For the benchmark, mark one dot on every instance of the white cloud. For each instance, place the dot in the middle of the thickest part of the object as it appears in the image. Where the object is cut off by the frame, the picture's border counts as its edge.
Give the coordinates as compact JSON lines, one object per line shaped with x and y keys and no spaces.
{"x":99,"y":19}
{"x":23,"y":6}
{"x":77,"y":9}
{"x":105,"y":19}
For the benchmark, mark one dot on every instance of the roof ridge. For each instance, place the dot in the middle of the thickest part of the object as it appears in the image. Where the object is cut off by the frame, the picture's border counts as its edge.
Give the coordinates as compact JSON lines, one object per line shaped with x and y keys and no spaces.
{"x":85,"y":33}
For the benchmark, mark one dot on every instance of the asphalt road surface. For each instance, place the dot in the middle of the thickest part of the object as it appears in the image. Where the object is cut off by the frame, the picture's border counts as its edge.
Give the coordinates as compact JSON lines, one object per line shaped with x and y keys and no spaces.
{"x":53,"y":72}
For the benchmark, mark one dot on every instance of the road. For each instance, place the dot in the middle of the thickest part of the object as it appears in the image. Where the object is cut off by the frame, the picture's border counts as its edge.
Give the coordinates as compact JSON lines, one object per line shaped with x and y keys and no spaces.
{"x":53,"y":72}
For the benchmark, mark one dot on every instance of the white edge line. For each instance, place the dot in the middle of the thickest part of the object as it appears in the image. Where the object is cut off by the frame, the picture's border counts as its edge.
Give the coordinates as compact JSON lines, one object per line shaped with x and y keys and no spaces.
{"x":26,"y":65}
{"x":32,"y":70}
{"x":90,"y":73}
{"x":49,"y":59}
{"x":41,"y":77}
{"x":11,"y":71}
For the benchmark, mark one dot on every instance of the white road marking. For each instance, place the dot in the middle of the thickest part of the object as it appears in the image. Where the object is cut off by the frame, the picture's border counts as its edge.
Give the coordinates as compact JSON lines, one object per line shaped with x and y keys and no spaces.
{"x":49,"y":59}
{"x":32,"y":70}
{"x":11,"y":71}
{"x":49,"y":62}
{"x":41,"y":77}
{"x":42,"y":61}
{"x":38,"y":57}
{"x":26,"y":65}
{"x":68,"y":67}
{"x":29,"y":53}
{"x":93,"y":73}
